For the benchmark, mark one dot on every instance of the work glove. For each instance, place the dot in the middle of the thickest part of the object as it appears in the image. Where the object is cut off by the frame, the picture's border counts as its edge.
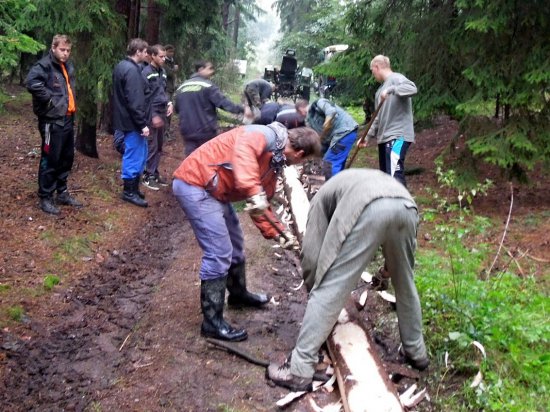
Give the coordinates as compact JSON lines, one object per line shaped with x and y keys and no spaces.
{"x":289,"y":243}
{"x":257,"y":204}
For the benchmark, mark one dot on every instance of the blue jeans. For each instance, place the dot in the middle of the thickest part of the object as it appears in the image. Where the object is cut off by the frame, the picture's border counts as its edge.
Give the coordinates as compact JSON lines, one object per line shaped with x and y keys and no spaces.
{"x":135,"y":155}
{"x":216,"y":227}
{"x":337,"y":155}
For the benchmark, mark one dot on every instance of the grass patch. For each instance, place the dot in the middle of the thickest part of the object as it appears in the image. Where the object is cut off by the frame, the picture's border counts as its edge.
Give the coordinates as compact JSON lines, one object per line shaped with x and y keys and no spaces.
{"x":356,"y":112}
{"x":16,"y":313}
{"x":239,"y":206}
{"x":50,"y":281}
{"x":75,"y":248}
{"x":505,"y":313}
{"x":4,"y":288}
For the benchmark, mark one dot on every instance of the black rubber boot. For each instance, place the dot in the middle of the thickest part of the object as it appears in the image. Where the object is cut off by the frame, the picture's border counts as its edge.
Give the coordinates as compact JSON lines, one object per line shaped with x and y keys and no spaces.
{"x":238,"y":294}
{"x":212,"y":301}
{"x":64,"y":198}
{"x":139,"y":192}
{"x":47,"y":205}
{"x":130,"y":193}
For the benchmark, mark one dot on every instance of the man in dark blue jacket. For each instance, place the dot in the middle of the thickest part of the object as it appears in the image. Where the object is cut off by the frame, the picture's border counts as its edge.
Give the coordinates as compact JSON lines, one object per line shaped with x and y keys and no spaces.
{"x":161,"y":108}
{"x":131,"y":115}
{"x":196,"y":102}
{"x":51,"y":83}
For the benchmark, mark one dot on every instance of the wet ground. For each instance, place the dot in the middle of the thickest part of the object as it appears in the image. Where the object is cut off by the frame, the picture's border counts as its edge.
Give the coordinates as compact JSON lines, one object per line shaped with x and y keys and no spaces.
{"x":121,"y":329}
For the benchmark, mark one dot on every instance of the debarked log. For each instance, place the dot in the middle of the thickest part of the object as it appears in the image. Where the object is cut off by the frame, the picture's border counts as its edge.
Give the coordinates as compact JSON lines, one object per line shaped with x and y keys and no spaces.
{"x":299,"y":202}
{"x":362,"y":380}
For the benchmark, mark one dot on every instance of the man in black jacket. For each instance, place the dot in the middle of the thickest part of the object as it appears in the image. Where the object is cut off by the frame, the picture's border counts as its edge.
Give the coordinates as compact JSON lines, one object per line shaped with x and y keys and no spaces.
{"x":131,"y":114}
{"x":51,"y":83}
{"x":161,"y":109}
{"x":196,"y":102}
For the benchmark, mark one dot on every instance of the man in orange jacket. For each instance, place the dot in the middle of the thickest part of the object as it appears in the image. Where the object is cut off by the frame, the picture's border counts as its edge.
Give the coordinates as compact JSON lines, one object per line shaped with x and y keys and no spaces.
{"x":241,"y":164}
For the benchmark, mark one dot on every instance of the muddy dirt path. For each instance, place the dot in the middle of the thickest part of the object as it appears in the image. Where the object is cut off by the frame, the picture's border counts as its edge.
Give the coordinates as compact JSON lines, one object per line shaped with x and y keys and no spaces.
{"x":121,"y":330}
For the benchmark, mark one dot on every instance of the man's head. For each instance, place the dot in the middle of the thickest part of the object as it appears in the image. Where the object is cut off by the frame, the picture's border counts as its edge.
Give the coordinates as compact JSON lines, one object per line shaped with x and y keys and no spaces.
{"x":170,"y":50}
{"x":158,"y":55}
{"x":204,"y":68}
{"x":380,"y":68}
{"x":303,"y":142}
{"x":302,"y":106}
{"x":61,"y":47}
{"x":137,"y":50}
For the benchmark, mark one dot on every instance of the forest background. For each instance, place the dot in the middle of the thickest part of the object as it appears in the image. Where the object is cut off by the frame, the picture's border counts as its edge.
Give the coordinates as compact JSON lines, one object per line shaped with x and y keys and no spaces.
{"x":483,"y":63}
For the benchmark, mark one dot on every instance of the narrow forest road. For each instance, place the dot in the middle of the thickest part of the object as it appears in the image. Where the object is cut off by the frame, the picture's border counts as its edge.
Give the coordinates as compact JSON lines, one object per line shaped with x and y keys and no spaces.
{"x":121,"y":330}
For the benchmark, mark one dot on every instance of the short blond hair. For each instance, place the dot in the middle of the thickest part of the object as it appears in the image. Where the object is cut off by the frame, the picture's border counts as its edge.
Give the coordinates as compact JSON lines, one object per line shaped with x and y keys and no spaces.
{"x":60,"y":38}
{"x":381,"y":61}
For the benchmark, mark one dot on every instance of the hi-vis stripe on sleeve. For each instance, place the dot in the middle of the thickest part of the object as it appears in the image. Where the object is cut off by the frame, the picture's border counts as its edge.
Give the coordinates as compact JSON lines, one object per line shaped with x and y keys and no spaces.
{"x":150,"y":76}
{"x":193,"y":86}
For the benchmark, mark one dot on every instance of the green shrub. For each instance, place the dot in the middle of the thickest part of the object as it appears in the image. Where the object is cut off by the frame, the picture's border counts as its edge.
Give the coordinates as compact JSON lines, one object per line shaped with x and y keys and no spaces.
{"x":505,"y":313}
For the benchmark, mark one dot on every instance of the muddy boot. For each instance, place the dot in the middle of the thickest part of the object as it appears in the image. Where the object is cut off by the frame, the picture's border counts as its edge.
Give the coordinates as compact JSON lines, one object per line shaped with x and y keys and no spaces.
{"x":280,"y":375}
{"x":47,"y":205}
{"x":212,"y":301}
{"x":139,"y":192}
{"x":236,"y":285}
{"x":130,"y":193}
{"x":420,"y":364}
{"x":64,"y":198}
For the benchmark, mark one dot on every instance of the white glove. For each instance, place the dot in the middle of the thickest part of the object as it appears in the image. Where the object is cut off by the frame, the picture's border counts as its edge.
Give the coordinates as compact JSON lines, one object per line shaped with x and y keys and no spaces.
{"x":290,"y":242}
{"x":257,"y":204}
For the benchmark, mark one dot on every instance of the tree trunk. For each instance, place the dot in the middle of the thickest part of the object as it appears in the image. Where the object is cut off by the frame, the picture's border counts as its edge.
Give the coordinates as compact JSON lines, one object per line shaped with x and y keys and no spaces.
{"x":86,"y":138}
{"x":225,"y":15}
{"x":86,"y":95}
{"x":133,"y":19}
{"x":507,"y":108}
{"x":236,"y":27}
{"x":153,"y":22}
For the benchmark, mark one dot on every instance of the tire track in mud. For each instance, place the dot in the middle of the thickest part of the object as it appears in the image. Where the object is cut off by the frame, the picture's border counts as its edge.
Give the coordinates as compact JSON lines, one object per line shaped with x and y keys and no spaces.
{"x":77,"y":352}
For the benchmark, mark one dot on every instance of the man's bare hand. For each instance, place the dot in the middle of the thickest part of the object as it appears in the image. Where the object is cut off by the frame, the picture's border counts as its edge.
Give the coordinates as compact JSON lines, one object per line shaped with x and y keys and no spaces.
{"x":145,"y":131}
{"x":157,"y":122}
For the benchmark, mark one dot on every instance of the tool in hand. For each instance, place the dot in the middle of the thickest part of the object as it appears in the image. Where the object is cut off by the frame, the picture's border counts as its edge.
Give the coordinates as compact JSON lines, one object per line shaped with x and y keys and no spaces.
{"x":362,"y":138}
{"x":276,"y":227}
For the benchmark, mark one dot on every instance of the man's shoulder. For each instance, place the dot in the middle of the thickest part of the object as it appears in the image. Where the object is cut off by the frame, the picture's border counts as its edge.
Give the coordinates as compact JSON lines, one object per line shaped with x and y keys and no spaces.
{"x":45,"y":61}
{"x":148,"y":69}
{"x":125,"y":67}
{"x":395,"y":78}
{"x":196,"y":84}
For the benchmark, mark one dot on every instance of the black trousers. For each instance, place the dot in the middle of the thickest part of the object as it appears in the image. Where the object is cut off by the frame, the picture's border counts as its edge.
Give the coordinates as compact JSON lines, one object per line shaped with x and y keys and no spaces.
{"x":57,"y":155}
{"x":391,"y":157}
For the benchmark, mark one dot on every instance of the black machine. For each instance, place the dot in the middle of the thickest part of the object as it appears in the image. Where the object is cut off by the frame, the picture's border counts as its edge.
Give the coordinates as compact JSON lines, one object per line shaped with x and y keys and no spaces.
{"x":290,"y":82}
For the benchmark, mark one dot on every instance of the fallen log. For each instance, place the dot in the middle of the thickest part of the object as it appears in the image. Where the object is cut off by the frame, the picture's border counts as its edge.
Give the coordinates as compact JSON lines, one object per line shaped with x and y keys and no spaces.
{"x":364,"y":384}
{"x":299,"y":202}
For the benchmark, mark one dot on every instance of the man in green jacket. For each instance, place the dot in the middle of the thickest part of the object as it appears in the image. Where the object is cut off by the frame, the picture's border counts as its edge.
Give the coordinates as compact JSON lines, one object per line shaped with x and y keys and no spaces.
{"x":353,"y":214}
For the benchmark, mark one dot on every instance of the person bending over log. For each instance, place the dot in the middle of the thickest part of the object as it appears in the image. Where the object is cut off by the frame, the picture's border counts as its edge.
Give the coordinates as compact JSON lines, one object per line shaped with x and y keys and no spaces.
{"x":353,"y":214}
{"x":241,"y":164}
